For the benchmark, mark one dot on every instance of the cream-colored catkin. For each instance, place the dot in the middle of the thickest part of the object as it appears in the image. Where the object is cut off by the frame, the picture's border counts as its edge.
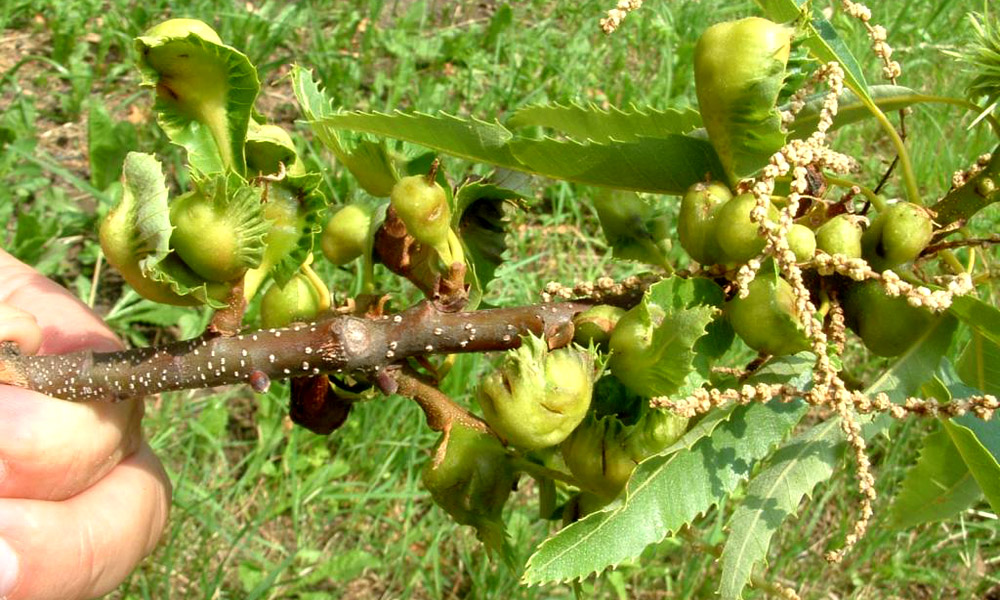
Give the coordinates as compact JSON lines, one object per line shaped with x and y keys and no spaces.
{"x":616,"y":15}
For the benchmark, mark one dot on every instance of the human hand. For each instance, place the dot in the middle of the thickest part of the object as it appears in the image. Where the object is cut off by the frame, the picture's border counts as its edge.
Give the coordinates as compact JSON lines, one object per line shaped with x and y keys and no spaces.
{"x":82,"y":497}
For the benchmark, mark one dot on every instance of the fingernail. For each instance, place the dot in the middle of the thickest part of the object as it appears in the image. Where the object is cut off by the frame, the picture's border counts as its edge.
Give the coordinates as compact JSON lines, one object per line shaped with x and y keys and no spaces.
{"x":8,"y":568}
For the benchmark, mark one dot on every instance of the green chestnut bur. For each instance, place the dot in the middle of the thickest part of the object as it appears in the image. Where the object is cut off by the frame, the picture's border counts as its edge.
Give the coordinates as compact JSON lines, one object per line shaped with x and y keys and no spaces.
{"x":603,"y":451}
{"x":765,"y":320}
{"x":840,"y":235}
{"x":697,"y":219}
{"x":345,"y":236}
{"x":135,"y":238}
{"x":802,"y":242}
{"x":219,"y":229}
{"x":739,"y":70}
{"x":537,"y":397}
{"x":897,"y":236}
{"x":423,"y":208}
{"x":301,"y":300}
{"x":887,"y":325}
{"x":736,"y":234}
{"x":202,"y":86}
{"x":471,"y":476}
{"x":594,"y":326}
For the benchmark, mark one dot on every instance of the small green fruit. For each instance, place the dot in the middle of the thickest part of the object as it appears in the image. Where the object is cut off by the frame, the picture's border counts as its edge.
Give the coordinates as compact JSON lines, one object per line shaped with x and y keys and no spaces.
{"x":840,"y":235}
{"x":345,"y":236}
{"x":471,"y":477}
{"x":802,"y":242}
{"x":537,"y":397}
{"x":213,"y":238}
{"x":178,"y":28}
{"x":423,"y":208}
{"x":696,"y":221}
{"x":739,"y":69}
{"x":602,"y":452}
{"x":301,"y":300}
{"x":594,"y":326}
{"x":887,"y":325}
{"x":897,"y":236}
{"x":737,"y":235}
{"x":765,"y":320}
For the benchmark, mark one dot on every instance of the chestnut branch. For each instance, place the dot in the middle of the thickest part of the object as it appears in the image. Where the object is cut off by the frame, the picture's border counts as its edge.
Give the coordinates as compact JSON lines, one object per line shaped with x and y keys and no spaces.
{"x":337,"y":345}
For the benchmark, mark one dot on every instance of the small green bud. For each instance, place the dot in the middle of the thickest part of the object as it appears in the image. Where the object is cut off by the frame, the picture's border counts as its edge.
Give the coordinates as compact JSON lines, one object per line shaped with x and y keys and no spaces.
{"x":840,"y":235}
{"x":302,"y":299}
{"x":897,"y":236}
{"x":802,"y":242}
{"x":697,"y":219}
{"x":737,"y":235}
{"x":423,"y":208}
{"x":537,"y":397}
{"x":345,"y":236}
{"x":887,"y":325}
{"x":765,"y":320}
{"x":471,"y":477}
{"x":594,"y":326}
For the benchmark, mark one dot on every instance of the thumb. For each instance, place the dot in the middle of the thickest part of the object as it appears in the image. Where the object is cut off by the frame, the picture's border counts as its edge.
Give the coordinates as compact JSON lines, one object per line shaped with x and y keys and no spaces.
{"x":66,"y":324}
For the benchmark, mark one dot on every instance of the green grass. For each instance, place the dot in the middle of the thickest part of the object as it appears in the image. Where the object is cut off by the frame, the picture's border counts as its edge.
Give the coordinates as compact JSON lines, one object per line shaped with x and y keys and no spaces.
{"x":266,"y":510}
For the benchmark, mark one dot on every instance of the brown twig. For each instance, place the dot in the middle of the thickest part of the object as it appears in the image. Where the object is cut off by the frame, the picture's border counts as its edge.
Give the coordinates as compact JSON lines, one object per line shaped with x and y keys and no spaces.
{"x":440,"y":410}
{"x":340,"y":344}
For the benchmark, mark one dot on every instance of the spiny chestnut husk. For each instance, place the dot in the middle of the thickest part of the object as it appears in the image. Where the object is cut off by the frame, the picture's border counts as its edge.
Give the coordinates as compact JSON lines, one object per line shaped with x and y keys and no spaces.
{"x":471,"y":476}
{"x":345,"y":236}
{"x":897,"y":236}
{"x":302,"y":299}
{"x":887,"y":325}
{"x":423,"y":208}
{"x":219,"y":228}
{"x":537,"y":397}
{"x":697,"y":219}
{"x":765,"y":320}
{"x":737,"y":235}
{"x":840,"y":235}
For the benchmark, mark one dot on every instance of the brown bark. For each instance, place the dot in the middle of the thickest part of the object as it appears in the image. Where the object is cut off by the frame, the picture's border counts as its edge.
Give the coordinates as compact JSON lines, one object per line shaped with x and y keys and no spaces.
{"x":340,"y":344}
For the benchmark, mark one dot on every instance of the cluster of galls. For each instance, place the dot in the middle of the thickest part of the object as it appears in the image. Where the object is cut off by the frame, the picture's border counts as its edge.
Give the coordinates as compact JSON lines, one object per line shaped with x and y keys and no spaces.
{"x":715,"y":228}
{"x":557,"y":414}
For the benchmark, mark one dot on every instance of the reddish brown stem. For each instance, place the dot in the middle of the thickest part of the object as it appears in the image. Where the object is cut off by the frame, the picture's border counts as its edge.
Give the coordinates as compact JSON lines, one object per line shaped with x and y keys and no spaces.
{"x":440,"y":410}
{"x":341,"y":344}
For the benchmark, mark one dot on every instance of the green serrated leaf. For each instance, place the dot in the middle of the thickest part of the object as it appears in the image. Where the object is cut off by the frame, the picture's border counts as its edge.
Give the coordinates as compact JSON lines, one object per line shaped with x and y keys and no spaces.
{"x":478,"y":217}
{"x":772,"y":496}
{"x":592,"y":123}
{"x":823,"y":41}
{"x":937,"y":487}
{"x":667,"y":165}
{"x":981,"y":317}
{"x":809,"y":459}
{"x":652,"y":346}
{"x":979,"y":364}
{"x":851,"y":109}
{"x":665,"y":493}
{"x":205,"y":95}
{"x":637,"y":165}
{"x":978,"y":442}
